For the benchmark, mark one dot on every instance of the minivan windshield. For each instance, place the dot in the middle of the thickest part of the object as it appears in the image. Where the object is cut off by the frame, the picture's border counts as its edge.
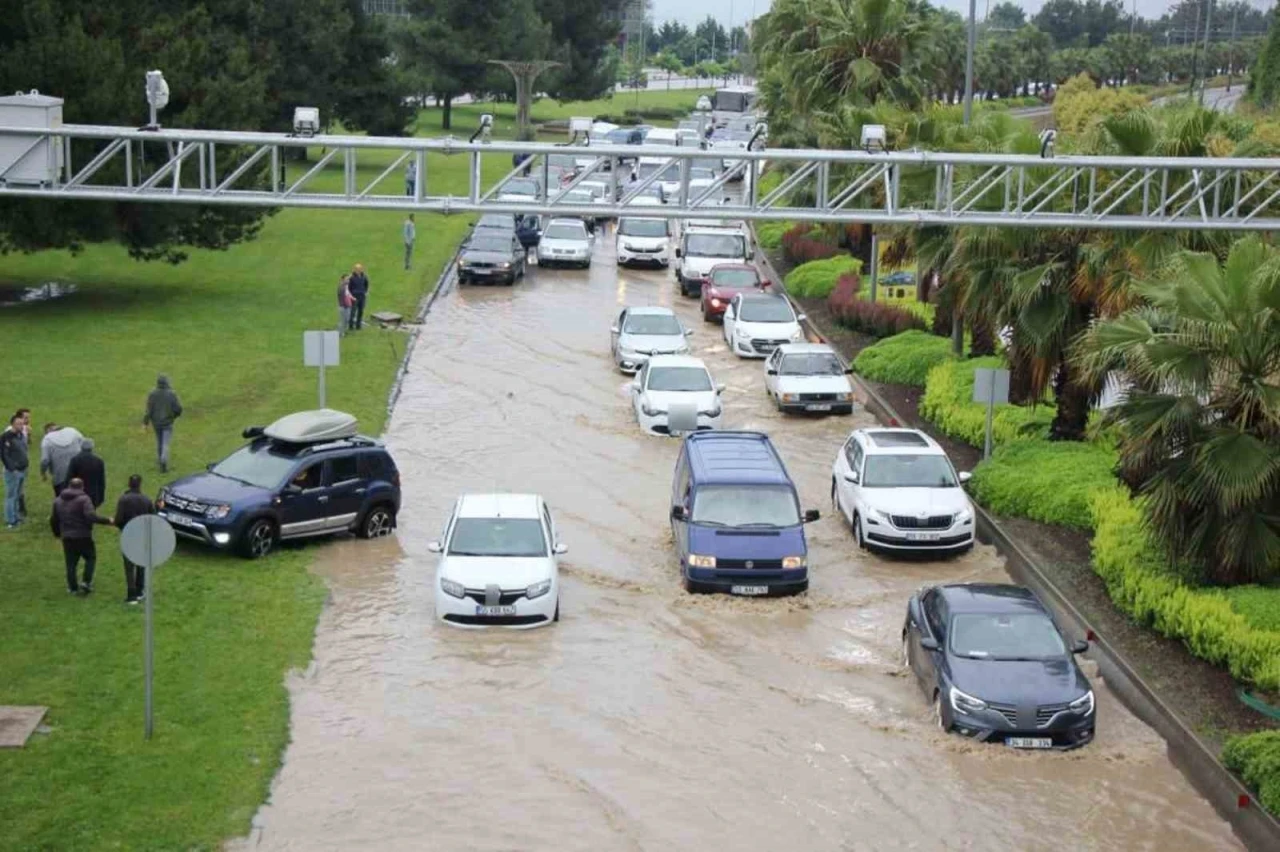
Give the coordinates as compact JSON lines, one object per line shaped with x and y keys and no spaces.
{"x":652,"y":324}
{"x":811,"y":364}
{"x":746,"y":506}
{"x":907,"y":471}
{"x":766,"y":310}
{"x":256,"y":465}
{"x":714,"y":245}
{"x":642,"y":228}
{"x":1006,"y":636}
{"x":679,"y":379}
{"x":518,"y":537}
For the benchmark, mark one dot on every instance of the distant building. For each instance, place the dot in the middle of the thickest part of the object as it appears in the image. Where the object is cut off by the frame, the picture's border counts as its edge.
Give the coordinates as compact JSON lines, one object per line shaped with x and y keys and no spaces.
{"x":399,"y":8}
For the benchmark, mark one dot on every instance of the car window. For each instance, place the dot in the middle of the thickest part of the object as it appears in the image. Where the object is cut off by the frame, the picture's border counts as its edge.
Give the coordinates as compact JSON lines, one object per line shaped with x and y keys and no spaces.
{"x":309,"y":476}
{"x":371,"y":466}
{"x":1003,"y":636}
{"x":483,"y":241}
{"x":909,"y":471}
{"x":931,"y":614}
{"x":651,"y":324}
{"x":343,"y":469}
{"x":642,"y":228}
{"x":256,"y":464}
{"x":812,"y":364}
{"x":546,"y":518}
{"x":736,"y":278}
{"x":766,"y":310}
{"x":714,"y":245}
{"x":679,"y":379}
{"x":513,"y":537}
{"x":682,"y":480}
{"x":521,"y":186}
{"x":565,"y":232}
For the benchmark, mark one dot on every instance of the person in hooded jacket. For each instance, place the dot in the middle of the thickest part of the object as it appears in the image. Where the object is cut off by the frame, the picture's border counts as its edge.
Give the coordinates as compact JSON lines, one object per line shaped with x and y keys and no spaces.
{"x":163,"y":408}
{"x":91,"y":471}
{"x":13,"y":457}
{"x":133,"y":504}
{"x":59,"y":446}
{"x":72,"y":521}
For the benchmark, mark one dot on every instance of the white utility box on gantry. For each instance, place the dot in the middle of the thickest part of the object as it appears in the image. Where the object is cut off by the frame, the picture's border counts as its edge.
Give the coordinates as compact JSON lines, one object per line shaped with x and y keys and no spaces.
{"x":30,"y":160}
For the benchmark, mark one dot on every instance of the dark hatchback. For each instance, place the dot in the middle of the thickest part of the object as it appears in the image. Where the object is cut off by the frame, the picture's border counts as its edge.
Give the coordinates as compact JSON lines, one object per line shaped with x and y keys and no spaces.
{"x":997,"y":667}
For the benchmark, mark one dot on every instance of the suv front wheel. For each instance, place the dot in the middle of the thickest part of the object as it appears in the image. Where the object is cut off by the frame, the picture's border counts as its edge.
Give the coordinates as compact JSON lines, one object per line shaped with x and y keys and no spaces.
{"x":259,"y":539}
{"x":379,"y":521}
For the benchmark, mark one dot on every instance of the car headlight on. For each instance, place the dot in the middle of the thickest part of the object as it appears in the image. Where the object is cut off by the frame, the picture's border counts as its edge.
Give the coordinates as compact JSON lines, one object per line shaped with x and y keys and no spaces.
{"x":538,"y":589}
{"x":963,"y":703}
{"x":697,"y":560}
{"x":464,"y":262}
{"x":791,"y":397}
{"x":504,"y":266}
{"x":715,"y":303}
{"x":451,"y":588}
{"x":1082,"y":705}
{"x":218,"y":512}
{"x":793,"y":562}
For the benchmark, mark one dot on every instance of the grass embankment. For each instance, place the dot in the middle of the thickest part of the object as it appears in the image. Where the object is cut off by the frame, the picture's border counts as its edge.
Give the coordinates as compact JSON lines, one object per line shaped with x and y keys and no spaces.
{"x":227,"y":327}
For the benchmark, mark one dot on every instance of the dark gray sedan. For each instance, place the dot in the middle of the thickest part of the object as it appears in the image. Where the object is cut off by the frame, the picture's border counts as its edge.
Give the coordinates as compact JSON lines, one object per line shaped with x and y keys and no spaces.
{"x":997,"y":668}
{"x":491,"y":255}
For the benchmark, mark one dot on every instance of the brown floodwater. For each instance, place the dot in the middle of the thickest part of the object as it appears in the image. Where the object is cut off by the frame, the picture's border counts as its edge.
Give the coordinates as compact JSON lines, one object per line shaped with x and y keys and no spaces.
{"x":648,"y":718}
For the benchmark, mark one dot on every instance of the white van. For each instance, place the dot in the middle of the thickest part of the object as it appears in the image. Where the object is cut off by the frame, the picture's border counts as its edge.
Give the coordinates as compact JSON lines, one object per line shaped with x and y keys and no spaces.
{"x":702,"y":248}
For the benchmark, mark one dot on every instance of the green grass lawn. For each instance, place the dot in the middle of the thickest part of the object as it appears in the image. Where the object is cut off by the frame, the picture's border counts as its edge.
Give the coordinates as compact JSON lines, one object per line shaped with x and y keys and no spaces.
{"x":227,"y":327}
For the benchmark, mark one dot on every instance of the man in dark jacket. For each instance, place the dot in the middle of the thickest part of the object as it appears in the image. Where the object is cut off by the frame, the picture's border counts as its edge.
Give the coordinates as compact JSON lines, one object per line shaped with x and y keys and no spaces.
{"x":72,"y":521}
{"x":163,"y":408}
{"x":133,"y":504}
{"x":13,"y":458}
{"x":359,"y":287}
{"x":91,"y":471}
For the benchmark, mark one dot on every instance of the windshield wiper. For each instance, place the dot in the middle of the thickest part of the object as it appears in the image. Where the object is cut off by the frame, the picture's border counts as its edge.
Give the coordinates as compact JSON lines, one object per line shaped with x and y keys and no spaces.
{"x":236,"y":479}
{"x":760,"y":524}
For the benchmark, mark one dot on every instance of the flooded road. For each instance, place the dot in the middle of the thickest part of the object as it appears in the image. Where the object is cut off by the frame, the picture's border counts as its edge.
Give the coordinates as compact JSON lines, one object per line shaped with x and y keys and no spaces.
{"x":648,"y":718}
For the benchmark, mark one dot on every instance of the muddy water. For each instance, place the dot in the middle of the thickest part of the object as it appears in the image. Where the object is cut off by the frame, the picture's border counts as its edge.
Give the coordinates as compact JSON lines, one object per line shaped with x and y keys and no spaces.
{"x":650,"y":719}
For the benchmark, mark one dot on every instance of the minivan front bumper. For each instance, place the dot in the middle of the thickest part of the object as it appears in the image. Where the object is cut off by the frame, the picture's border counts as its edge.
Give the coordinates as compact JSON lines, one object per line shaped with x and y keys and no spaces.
{"x":779,"y":581}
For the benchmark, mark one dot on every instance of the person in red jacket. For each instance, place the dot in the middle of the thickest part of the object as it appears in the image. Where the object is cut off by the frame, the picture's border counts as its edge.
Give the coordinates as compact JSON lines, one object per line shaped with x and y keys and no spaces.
{"x":72,"y":521}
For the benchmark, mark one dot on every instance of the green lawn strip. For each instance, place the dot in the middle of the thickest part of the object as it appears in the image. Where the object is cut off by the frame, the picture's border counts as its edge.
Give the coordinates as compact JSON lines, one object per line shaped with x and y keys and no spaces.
{"x":227,"y":327}
{"x":1260,"y":605}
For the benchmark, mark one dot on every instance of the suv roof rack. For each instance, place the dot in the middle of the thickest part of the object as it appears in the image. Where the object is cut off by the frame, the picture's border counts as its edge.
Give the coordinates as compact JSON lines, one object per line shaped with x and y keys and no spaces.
{"x":311,"y":427}
{"x":340,"y":444}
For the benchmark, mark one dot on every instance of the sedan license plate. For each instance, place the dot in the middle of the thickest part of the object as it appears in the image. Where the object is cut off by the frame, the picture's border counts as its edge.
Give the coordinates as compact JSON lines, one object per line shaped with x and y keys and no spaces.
{"x":1029,"y":742}
{"x":495,"y":610}
{"x":749,"y":590}
{"x":822,"y":407}
{"x":922,"y":536}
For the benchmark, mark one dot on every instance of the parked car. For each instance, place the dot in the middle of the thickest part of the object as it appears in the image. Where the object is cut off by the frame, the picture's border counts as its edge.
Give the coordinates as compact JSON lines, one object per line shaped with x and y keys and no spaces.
{"x":700,"y":249}
{"x":496,"y":256}
{"x":641,"y":240}
{"x":726,"y":280}
{"x":808,"y":377}
{"x":645,"y":331}
{"x":899,"y":492}
{"x":565,"y":241}
{"x":735,"y":517}
{"x":757,"y":324}
{"x":997,"y":668}
{"x":675,"y":380}
{"x":498,"y":563}
{"x":307,"y":474}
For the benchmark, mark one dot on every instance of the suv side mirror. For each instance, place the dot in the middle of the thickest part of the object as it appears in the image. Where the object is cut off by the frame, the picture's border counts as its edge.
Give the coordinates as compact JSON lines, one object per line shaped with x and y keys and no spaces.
{"x":771,"y":372}
{"x":688,"y":332}
{"x":965,"y":476}
{"x":677,"y":513}
{"x":801,"y":317}
{"x":720,"y":387}
{"x":210,"y":465}
{"x":560,"y":548}
{"x":848,"y":371}
{"x":1079,"y":646}
{"x":811,"y":515}
{"x":292,"y":489}
{"x":435,"y":547}
{"x":929,"y":643}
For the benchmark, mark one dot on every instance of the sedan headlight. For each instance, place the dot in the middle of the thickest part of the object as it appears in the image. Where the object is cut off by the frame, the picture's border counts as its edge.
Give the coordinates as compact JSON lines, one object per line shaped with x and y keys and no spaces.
{"x":964,"y":703}
{"x":464,"y":262}
{"x":538,"y":589}
{"x":217,"y":512}
{"x":844,"y":397}
{"x":793,"y":562}
{"x":451,"y":588}
{"x":791,"y":397}
{"x":697,"y":560}
{"x":650,"y":412}
{"x":504,"y":266}
{"x":1082,"y":705}
{"x":741,"y":332}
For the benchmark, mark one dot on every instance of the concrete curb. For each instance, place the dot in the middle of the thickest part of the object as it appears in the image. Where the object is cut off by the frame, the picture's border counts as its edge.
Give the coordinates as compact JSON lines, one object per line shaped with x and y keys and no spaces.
{"x":1233,"y":801}
{"x":424,"y":308}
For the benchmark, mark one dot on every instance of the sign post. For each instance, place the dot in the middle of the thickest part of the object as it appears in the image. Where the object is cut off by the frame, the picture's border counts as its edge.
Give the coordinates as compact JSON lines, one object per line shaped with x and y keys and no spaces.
{"x":148,"y":541}
{"x":990,"y":387}
{"x":320,"y":349}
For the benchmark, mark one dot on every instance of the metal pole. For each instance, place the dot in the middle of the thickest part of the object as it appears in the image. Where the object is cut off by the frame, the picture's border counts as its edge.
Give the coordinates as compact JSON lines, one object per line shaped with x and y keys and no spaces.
{"x":875,"y":264}
{"x":1133,"y":17}
{"x":1191,"y":90}
{"x":991,"y":405}
{"x":1208,"y":27}
{"x":322,"y":354}
{"x":149,"y":592}
{"x":1231,"y":63}
{"x":968,"y":61}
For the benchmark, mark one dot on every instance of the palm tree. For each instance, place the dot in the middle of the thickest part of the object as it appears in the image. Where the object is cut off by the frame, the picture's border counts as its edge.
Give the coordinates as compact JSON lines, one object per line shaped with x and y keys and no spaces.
{"x":1200,"y":427}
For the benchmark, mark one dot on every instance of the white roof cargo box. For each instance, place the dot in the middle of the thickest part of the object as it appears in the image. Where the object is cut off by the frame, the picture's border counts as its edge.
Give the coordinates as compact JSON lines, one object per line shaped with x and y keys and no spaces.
{"x":310,"y":427}
{"x":30,"y":159}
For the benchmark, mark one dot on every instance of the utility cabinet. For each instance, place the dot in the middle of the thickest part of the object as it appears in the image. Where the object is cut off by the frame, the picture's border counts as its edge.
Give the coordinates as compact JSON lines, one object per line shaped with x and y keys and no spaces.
{"x":30,"y":160}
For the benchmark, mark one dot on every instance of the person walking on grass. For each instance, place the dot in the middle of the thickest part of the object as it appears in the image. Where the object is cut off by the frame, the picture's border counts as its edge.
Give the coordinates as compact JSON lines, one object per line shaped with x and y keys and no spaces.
{"x":72,"y":521}
{"x":13,"y":457}
{"x":163,"y":408}
{"x":90,"y":470}
{"x":410,"y":234}
{"x":345,"y":301}
{"x":59,"y":446}
{"x":359,"y":286}
{"x":133,"y":504}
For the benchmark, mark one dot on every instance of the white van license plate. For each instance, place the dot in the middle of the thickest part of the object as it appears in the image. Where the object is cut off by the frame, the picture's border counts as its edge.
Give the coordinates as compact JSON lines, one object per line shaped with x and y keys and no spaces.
{"x":749,"y":590}
{"x":1029,"y":742}
{"x":495,"y":610}
{"x":923,"y":536}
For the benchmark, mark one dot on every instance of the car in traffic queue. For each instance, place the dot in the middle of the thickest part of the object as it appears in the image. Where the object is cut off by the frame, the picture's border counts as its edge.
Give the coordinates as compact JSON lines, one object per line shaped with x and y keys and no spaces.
{"x":565,"y":242}
{"x":735,"y":517}
{"x":307,"y":474}
{"x":755,"y":324}
{"x":498,"y":563}
{"x":900,"y":493}
{"x":726,"y":280}
{"x":703,"y":248}
{"x":527,"y":188}
{"x":639,"y":240}
{"x":668,"y":385}
{"x":492,"y":256}
{"x":641,"y":332}
{"x":809,"y":378}
{"x":997,"y":668}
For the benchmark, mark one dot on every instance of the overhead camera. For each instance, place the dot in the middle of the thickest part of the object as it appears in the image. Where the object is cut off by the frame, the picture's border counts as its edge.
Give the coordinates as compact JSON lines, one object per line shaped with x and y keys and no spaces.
{"x":306,"y":121}
{"x":873,"y":138}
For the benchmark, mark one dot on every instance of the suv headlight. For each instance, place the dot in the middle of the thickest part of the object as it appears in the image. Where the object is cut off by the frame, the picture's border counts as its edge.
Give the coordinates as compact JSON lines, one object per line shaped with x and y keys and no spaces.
{"x":963,"y":703}
{"x":793,"y":562}
{"x":798,"y":334}
{"x":697,"y":560}
{"x":877,"y":515}
{"x":451,"y":588}
{"x":964,"y":516}
{"x":218,"y":512}
{"x":1082,"y":705}
{"x":538,"y":589}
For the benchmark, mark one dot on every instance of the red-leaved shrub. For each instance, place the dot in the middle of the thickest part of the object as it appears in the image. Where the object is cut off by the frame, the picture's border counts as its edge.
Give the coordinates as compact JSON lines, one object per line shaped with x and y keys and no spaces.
{"x":874,"y":318}
{"x":844,"y":293}
{"x":799,"y":245}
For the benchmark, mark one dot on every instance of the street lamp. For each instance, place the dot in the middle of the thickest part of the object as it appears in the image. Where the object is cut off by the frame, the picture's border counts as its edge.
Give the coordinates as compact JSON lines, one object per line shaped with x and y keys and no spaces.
{"x":157,"y":96}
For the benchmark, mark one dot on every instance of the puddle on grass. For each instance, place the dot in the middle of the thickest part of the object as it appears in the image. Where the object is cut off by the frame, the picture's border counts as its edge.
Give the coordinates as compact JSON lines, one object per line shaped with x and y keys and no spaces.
{"x":15,"y":295}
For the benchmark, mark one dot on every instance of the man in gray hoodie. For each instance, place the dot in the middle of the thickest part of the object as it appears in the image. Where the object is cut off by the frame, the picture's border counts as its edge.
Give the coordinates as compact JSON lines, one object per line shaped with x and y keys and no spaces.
{"x":163,"y":408}
{"x":60,"y":445}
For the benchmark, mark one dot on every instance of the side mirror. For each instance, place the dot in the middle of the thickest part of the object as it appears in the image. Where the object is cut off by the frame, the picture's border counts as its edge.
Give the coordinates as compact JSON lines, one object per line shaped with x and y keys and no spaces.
{"x":560,"y":549}
{"x":848,"y":371}
{"x":614,"y":330}
{"x":1079,"y":646}
{"x":801,"y":317}
{"x":292,"y":489}
{"x":688,"y":332}
{"x":719,"y":387}
{"x":852,"y":477}
{"x":751,"y":254}
{"x":210,"y":465}
{"x":965,"y":476}
{"x":435,"y":547}
{"x":929,"y":643}
{"x":771,"y":372}
{"x":677,"y":513}
{"x":635,"y":387}
{"x":678,"y":252}
{"x":765,"y":283}
{"x":811,"y":515}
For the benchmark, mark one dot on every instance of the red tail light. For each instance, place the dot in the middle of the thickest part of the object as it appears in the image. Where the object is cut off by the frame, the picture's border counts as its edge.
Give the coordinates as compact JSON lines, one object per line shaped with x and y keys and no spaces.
{"x":1243,"y":800}
{"x":1091,"y":636}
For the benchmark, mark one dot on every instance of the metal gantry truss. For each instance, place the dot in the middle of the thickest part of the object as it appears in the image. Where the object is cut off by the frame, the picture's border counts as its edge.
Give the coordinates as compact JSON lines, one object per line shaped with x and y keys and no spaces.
{"x":914,"y":187}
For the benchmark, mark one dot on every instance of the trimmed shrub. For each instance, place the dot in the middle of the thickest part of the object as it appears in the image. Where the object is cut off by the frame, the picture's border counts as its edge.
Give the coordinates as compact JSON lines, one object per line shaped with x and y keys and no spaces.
{"x":804,"y":244}
{"x":1256,"y":758}
{"x":817,"y":278}
{"x":1141,"y":585}
{"x":903,"y":359}
{"x":769,"y":234}
{"x":1049,"y":481}
{"x":948,"y":404}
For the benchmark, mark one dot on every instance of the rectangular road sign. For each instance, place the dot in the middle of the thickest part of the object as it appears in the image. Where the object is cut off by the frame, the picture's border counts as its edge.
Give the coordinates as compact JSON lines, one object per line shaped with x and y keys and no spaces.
{"x":320,"y":348}
{"x":990,"y":386}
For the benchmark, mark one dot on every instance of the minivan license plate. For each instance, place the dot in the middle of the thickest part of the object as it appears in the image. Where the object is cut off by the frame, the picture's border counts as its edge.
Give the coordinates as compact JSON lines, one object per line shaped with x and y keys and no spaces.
{"x":749,"y":590}
{"x":495,"y":610}
{"x":1029,"y":742}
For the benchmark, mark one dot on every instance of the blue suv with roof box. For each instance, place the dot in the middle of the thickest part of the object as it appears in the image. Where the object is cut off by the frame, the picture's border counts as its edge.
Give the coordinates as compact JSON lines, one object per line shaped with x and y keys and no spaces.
{"x":735,"y":517}
{"x":308,"y":474}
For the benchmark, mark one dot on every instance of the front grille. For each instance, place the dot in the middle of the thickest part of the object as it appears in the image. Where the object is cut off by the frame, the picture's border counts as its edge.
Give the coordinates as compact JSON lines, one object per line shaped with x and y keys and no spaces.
{"x":933,"y":522}
{"x":663,"y":429}
{"x":641,"y":250}
{"x":749,"y":564}
{"x":1008,"y":711}
{"x":817,"y":397}
{"x":507,"y":598}
{"x":1045,"y":713}
{"x":479,"y":265}
{"x":496,"y":620}
{"x":185,"y":504}
{"x":766,"y":346}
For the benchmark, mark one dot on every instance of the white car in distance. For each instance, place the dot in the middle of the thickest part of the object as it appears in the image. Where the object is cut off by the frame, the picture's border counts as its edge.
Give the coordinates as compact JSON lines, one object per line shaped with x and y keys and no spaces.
{"x":643,"y":241}
{"x":667,"y":381}
{"x":565,"y":241}
{"x":808,"y":377}
{"x":498,"y":563}
{"x":757,"y":324}
{"x":898,"y":492}
{"x":642,"y":332}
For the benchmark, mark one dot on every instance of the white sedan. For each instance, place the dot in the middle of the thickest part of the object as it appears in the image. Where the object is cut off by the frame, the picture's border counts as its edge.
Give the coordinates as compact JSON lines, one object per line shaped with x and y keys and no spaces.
{"x":679,"y":386}
{"x":643,"y":332}
{"x":498,"y":563}
{"x":755,"y":324}
{"x":565,"y":241}
{"x":808,"y":377}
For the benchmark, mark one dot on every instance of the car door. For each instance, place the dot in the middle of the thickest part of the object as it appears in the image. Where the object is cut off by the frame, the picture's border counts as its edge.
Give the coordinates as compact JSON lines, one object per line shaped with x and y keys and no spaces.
{"x":615,"y":333}
{"x":637,"y":389}
{"x":346,"y":490}
{"x":772,"y":365}
{"x":730,"y":317}
{"x":928,"y":662}
{"x":304,"y":503}
{"x":849,"y":468}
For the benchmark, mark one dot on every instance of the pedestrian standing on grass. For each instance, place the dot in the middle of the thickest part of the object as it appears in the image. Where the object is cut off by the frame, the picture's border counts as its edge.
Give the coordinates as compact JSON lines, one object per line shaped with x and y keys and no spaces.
{"x":91,"y":471}
{"x":58,"y":447}
{"x":133,"y":504}
{"x":410,"y":234}
{"x":359,"y":285}
{"x":72,"y":521}
{"x":410,"y":177}
{"x":25,"y":414}
{"x":13,"y":457}
{"x":345,"y":301}
{"x":163,"y":408}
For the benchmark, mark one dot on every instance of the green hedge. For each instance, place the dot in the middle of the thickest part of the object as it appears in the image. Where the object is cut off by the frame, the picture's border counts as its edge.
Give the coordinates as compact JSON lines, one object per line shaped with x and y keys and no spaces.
{"x":769,"y":234}
{"x":768,"y":182}
{"x":1139,"y":584}
{"x":948,"y":403}
{"x":1256,"y":757}
{"x":1260,"y":605}
{"x":1050,"y":481}
{"x":904,"y":359}
{"x":817,"y":278}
